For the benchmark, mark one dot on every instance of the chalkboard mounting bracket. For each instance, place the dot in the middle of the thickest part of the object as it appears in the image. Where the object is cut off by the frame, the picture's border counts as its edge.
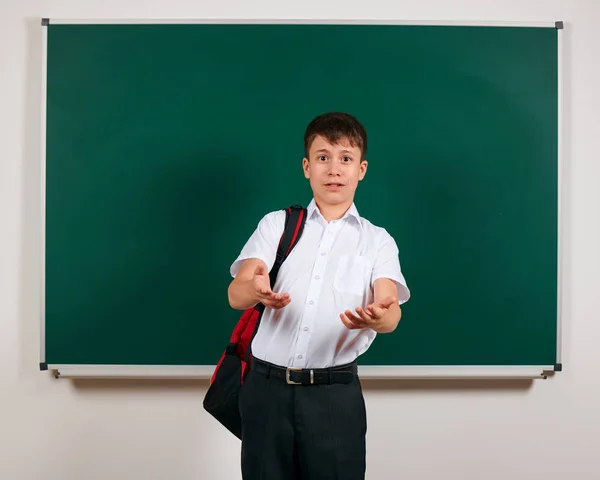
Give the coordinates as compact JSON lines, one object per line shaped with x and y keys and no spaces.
{"x":559,"y":25}
{"x":558,"y":367}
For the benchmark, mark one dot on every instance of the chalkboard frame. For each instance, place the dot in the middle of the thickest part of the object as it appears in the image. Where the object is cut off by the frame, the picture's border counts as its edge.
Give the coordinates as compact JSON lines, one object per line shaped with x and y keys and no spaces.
{"x":398,"y":372}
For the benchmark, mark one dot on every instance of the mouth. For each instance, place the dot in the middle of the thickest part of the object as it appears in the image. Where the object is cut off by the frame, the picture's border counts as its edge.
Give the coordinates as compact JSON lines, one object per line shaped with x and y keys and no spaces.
{"x":333,"y":186}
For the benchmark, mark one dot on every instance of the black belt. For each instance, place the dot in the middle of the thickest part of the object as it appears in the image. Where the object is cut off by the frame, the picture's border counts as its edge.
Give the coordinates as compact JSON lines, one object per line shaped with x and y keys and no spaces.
{"x":306,"y":376}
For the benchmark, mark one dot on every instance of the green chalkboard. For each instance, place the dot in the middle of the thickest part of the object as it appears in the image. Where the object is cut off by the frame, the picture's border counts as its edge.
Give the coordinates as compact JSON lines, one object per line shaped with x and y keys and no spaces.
{"x":166,"y":144}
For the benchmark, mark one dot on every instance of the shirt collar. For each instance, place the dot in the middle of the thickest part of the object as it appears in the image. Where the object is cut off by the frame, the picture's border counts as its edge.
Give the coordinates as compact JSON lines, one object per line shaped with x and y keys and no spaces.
{"x":313,"y":209}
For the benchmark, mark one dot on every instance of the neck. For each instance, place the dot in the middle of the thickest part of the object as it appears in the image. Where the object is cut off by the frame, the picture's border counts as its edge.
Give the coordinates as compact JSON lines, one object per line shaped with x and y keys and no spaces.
{"x":332,"y":212}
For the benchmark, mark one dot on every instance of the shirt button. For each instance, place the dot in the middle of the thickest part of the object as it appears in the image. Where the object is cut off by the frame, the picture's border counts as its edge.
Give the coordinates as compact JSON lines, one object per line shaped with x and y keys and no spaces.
{"x":299,"y":356}
{"x":311,"y":302}
{"x":317,"y":277}
{"x":306,"y":329}
{"x":323,"y":254}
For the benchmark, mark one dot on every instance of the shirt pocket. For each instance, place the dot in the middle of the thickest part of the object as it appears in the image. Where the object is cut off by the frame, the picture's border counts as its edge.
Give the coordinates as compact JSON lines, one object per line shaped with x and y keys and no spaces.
{"x":351,"y":275}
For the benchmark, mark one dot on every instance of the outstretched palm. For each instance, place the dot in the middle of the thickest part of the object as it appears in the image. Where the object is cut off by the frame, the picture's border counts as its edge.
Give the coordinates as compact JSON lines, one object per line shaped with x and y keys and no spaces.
{"x":369,"y":317}
{"x":262,"y":286}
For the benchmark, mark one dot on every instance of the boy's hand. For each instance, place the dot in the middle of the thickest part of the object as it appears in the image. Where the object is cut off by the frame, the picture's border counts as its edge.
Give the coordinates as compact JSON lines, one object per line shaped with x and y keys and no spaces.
{"x":371,"y":317}
{"x":264,"y":294}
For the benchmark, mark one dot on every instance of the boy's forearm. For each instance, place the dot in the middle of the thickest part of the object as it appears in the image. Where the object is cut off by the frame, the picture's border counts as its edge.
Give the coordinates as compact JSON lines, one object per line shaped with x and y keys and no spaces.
{"x":241,"y":294}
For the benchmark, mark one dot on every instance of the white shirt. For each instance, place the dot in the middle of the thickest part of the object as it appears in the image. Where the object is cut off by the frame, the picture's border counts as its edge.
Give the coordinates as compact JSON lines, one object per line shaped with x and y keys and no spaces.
{"x":332,"y":268}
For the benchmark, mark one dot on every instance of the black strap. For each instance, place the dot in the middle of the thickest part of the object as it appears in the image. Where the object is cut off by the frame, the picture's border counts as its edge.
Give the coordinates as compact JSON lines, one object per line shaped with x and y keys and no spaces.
{"x":295,"y":217}
{"x":294,"y":224}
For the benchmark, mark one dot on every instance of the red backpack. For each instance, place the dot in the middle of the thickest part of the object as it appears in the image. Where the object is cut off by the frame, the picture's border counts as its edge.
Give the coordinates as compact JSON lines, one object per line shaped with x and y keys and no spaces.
{"x":221,"y":399}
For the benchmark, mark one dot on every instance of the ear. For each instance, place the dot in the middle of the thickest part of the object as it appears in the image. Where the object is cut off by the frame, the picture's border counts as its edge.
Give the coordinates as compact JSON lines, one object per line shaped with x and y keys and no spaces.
{"x":306,"y":167}
{"x":363,"y":169}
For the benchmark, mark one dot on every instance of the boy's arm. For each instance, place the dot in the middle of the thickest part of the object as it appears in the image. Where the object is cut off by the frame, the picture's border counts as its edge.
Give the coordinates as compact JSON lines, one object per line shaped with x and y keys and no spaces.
{"x":252,"y":285}
{"x":250,"y":270}
{"x":389,"y":291}
{"x":382,"y":315}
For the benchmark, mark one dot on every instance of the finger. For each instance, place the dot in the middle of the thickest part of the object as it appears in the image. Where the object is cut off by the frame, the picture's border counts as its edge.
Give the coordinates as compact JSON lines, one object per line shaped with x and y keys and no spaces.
{"x":265,"y":293}
{"x":355,"y":320}
{"x":269,"y":300}
{"x":374,"y":312}
{"x":350,"y":325}
{"x":364,"y":315}
{"x":279,"y":296}
{"x":277,"y":304}
{"x":282,"y":303}
{"x":261,"y":287}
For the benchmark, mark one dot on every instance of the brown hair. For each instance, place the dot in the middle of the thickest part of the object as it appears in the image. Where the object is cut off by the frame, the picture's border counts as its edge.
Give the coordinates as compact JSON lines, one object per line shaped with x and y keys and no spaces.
{"x":336,"y":126}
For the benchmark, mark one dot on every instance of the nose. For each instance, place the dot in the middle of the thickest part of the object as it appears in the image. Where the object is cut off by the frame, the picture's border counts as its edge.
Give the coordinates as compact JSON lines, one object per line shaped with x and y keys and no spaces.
{"x":334,"y":168}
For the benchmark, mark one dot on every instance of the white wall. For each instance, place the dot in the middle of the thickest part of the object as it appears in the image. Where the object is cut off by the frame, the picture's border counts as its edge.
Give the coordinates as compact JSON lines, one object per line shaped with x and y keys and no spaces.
{"x":57,"y":430}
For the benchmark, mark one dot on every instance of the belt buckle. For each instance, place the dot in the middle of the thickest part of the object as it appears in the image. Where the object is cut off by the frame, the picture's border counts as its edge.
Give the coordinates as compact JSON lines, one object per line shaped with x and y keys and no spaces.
{"x":291,"y":382}
{"x":287,"y":376}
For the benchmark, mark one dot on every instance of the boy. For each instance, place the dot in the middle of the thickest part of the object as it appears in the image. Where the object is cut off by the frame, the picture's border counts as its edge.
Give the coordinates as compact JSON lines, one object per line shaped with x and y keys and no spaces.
{"x":302,"y":407}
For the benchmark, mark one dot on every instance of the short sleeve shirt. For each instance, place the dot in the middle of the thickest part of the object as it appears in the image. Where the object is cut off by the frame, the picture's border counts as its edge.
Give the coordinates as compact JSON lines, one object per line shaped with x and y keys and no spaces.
{"x":331,"y":269}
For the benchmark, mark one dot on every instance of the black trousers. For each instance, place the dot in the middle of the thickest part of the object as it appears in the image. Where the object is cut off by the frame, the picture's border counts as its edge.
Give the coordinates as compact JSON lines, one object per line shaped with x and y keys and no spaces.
{"x":302,"y":432}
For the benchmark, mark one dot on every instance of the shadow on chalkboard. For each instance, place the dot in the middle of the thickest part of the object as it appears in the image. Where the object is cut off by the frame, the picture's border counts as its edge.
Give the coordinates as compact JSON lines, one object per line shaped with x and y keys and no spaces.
{"x":138,"y":385}
{"x":444,"y":385}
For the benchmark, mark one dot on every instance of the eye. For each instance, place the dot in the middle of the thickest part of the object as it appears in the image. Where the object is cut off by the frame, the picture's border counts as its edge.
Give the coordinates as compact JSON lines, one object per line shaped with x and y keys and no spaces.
{"x":322,"y":157}
{"x":347,"y":159}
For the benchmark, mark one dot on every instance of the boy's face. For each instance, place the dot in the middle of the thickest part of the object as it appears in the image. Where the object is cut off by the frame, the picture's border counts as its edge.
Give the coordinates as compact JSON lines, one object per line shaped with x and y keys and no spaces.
{"x":334,"y":171}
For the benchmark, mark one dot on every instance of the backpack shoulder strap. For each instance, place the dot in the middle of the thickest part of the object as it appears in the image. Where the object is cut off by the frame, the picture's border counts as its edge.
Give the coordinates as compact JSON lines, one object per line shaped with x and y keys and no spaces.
{"x":295,"y":217}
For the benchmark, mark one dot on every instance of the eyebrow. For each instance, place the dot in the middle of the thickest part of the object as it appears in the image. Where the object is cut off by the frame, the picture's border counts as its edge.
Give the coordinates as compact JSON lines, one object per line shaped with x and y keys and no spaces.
{"x":324,"y":150}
